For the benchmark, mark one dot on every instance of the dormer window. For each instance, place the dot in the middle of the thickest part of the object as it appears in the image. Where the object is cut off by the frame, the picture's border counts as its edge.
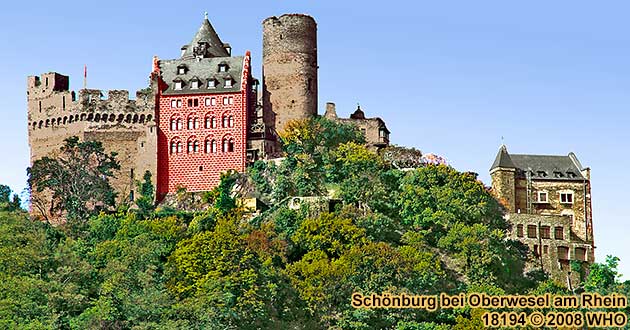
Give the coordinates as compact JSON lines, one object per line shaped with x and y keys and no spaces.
{"x":194,"y":84}
{"x":542,"y":174}
{"x":557,"y":174}
{"x":212,"y":83}
{"x":182,"y":69}
{"x":228,"y":82}
{"x":178,"y":85}
{"x":223,"y":67}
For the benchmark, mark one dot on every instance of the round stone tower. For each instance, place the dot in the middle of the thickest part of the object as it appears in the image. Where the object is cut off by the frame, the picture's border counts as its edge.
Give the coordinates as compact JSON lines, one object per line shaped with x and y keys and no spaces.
{"x":289,"y":68}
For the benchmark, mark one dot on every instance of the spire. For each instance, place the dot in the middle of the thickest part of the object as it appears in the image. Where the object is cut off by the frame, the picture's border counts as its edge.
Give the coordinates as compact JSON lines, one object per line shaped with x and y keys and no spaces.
{"x":206,"y":43}
{"x":503,"y":159}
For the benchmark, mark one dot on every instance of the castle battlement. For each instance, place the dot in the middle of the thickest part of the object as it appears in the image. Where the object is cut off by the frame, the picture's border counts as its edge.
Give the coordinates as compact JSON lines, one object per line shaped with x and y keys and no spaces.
{"x":52,"y":105}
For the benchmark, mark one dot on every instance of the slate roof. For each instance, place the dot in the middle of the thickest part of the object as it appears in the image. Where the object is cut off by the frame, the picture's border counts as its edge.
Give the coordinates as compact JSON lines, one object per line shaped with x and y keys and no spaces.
{"x":207,"y":34}
{"x":503,"y":159}
{"x":541,"y":167}
{"x":203,"y":69}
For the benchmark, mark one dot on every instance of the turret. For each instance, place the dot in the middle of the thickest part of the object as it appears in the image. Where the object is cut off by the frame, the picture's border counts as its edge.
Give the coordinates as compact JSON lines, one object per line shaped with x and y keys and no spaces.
{"x":503,"y":173}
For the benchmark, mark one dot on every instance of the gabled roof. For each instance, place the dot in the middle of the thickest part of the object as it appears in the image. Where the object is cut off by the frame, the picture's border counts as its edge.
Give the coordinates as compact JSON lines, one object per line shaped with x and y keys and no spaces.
{"x":541,"y":167}
{"x":208,"y":35}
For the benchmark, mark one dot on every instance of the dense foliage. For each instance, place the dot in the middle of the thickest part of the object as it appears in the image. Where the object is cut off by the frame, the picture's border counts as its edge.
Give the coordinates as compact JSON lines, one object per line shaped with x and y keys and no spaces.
{"x":425,"y":230}
{"x":74,"y":183}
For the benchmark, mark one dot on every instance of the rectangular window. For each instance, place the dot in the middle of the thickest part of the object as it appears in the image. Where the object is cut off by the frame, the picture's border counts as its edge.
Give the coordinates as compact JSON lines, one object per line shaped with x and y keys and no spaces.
{"x":194,"y":84}
{"x":580,"y":254}
{"x":519,"y":230}
{"x":214,"y":101}
{"x":225,"y":101}
{"x":230,"y":100}
{"x":173,"y":103}
{"x":212,"y":83}
{"x":195,"y":102}
{"x":190,"y":103}
{"x":531,"y":231}
{"x":228,"y":83}
{"x":559,"y":233}
{"x":207,"y":101}
{"x":566,"y":198}
{"x":563,"y":253}
{"x":179,"y":103}
{"x":545,"y":249}
{"x":178,"y":85}
{"x":545,"y":232}
{"x":542,"y":197}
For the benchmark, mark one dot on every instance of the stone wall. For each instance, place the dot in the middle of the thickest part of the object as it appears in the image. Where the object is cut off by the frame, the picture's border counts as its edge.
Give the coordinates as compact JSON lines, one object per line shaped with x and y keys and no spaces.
{"x":289,"y":68}
{"x":123,"y":125}
{"x":552,"y":244}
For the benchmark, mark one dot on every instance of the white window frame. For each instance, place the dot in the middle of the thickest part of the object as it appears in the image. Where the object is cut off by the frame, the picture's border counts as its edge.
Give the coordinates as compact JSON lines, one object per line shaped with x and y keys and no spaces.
{"x":173,"y":103}
{"x":194,"y":84}
{"x":543,"y":193}
{"x":212,"y":83}
{"x":228,"y":83}
{"x":178,"y":85}
{"x":566,"y":194}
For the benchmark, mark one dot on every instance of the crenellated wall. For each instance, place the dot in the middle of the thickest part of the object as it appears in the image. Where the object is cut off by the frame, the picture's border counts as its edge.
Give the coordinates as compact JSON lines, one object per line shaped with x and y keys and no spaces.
{"x":125,"y":126}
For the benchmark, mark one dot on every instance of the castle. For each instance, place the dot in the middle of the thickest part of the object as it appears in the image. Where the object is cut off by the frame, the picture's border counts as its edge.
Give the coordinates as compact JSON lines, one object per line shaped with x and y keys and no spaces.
{"x":201,"y":114}
{"x":548,"y":203}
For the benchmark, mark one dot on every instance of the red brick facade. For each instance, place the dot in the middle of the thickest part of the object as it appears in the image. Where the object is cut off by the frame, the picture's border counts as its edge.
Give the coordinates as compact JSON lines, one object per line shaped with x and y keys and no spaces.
{"x":201,"y":136}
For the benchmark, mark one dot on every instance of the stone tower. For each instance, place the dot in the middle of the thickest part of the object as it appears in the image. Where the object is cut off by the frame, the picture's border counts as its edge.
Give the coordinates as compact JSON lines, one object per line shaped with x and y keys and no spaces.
{"x":289,"y":68}
{"x":503,"y":173}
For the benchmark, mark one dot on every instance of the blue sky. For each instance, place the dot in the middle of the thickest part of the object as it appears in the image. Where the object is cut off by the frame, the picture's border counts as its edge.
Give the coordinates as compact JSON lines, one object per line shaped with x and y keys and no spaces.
{"x":449,"y":77}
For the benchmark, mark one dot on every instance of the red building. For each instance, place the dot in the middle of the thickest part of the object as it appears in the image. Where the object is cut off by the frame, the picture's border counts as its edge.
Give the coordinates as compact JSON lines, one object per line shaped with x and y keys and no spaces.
{"x":203,"y":103}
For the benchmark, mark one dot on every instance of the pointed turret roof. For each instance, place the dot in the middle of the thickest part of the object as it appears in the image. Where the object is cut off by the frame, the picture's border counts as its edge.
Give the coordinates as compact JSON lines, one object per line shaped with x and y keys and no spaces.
{"x":206,"y":34}
{"x":503,"y":159}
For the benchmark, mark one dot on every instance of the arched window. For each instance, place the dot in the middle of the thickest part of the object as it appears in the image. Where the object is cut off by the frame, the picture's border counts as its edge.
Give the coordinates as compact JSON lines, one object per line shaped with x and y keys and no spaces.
{"x":225,"y":121}
{"x":196,"y":123}
{"x":228,"y":145}
{"x":176,"y":146}
{"x":207,"y":146}
{"x":173,"y":124}
{"x":190,"y":123}
{"x":231,"y":121}
{"x":207,"y":122}
{"x":180,"y":124}
{"x":195,"y":146}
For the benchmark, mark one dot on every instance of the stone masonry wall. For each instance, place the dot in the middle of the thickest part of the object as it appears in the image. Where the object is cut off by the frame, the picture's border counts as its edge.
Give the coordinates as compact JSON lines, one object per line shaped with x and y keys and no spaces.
{"x":289,"y":68}
{"x":123,"y":125}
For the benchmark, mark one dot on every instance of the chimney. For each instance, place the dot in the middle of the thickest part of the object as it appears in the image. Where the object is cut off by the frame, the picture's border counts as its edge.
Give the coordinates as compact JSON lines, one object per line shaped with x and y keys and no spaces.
{"x":331,"y":112}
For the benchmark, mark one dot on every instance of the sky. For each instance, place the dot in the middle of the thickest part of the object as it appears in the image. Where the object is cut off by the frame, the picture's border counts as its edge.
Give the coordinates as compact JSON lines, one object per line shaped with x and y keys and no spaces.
{"x":455,"y":78}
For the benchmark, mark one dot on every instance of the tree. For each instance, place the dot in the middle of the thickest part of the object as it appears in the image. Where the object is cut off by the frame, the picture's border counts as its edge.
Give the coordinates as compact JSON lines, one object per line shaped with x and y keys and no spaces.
{"x":146,"y":200}
{"x":76,"y":181}
{"x":6,"y":202}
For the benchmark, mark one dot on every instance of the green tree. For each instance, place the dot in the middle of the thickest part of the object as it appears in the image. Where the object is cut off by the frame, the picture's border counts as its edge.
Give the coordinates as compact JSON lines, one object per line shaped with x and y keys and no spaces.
{"x":77,"y":179}
{"x":146,"y":201}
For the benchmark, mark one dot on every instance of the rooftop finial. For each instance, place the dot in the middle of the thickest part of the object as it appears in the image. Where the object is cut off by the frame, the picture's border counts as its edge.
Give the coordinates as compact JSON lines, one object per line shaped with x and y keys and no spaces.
{"x":205,"y":15}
